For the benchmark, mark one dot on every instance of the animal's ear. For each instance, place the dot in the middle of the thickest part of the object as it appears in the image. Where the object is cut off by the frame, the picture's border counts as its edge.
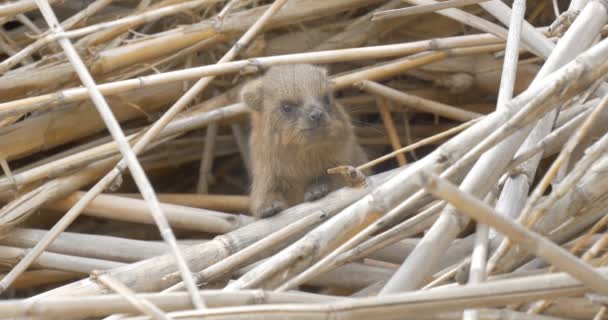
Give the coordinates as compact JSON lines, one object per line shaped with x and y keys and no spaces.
{"x":252,"y":94}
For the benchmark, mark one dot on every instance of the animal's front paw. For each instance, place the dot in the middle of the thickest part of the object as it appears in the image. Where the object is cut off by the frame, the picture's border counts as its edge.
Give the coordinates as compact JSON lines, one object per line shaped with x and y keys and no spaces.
{"x":316,"y":191}
{"x":270,"y":209}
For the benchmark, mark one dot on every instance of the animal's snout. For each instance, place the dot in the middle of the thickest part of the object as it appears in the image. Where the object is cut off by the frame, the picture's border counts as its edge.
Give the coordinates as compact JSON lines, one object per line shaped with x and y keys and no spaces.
{"x":316,"y":115}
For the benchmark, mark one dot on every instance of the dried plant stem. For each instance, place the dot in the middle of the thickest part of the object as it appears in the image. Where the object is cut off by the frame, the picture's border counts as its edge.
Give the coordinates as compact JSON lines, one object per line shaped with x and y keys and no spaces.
{"x":68,"y":24}
{"x":420,"y":9}
{"x":140,"y":304}
{"x":146,"y":138}
{"x":330,"y":56}
{"x":416,"y":103}
{"x":580,"y":35}
{"x":477,"y":272}
{"x":488,"y":169}
{"x":218,"y":202}
{"x":130,"y":158}
{"x":562,"y":159}
{"x":26,"y":52}
{"x":533,"y":242}
{"x":387,"y":119}
{"x":246,"y":255}
{"x":415,"y":145}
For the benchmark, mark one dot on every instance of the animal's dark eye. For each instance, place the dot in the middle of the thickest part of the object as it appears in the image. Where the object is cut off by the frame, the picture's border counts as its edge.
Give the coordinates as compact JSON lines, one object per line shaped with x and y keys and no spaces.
{"x":327,"y":99}
{"x":287,"y":107}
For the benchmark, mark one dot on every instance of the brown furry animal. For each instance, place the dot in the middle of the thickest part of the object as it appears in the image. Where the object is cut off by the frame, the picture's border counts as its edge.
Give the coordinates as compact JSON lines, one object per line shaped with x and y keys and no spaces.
{"x":298,"y":132}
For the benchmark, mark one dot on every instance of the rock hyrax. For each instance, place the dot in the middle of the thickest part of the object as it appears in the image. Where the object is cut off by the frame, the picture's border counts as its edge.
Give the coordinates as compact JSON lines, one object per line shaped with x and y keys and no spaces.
{"x":298,"y":132}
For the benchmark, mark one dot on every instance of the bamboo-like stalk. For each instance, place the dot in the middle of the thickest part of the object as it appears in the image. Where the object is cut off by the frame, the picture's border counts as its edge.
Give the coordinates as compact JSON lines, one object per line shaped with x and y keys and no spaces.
{"x":387,"y":119}
{"x":477,"y":271}
{"x":221,"y":246}
{"x":56,"y":261}
{"x":495,"y":293}
{"x":533,"y":242}
{"x":330,"y":56}
{"x":190,"y":121}
{"x":135,"y":210}
{"x":69,"y":23}
{"x":141,"y":180}
{"x":17,"y":7}
{"x":486,"y":172}
{"x":102,"y":305}
{"x":420,"y":9}
{"x":418,"y":103}
{"x":226,"y":203}
{"x":85,"y":245}
{"x":143,"y":305}
{"x":582,"y":32}
{"x":246,"y":255}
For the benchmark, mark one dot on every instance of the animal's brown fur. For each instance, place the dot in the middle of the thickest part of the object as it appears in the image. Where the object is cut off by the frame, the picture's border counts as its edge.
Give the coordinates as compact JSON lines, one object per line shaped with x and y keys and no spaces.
{"x":290,"y":151}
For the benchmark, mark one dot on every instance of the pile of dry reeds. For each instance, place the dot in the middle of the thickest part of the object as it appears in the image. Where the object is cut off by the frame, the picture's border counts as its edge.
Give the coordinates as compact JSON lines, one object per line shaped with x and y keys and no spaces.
{"x":120,"y":126}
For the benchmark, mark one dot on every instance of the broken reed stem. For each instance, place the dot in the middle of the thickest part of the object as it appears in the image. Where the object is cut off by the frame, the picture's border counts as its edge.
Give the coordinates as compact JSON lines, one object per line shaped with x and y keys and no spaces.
{"x":389,"y":124}
{"x":420,"y":9}
{"x":148,"y":136}
{"x":221,"y":68}
{"x":143,"y":305}
{"x":418,"y":144}
{"x":137,"y":172}
{"x":531,"y":241}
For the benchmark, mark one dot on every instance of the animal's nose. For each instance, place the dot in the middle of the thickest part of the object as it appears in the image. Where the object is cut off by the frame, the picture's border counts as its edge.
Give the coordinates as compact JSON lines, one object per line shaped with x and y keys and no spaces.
{"x":316,"y":115}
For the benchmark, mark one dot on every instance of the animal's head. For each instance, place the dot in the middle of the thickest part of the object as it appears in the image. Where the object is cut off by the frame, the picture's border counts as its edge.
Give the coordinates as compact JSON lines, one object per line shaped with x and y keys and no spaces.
{"x":296,"y":101}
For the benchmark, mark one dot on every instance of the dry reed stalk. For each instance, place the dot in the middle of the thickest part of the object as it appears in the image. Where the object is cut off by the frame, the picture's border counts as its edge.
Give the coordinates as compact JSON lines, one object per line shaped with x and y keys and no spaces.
{"x":530,"y":216}
{"x":582,"y":33}
{"x":413,"y":146}
{"x":63,"y":125}
{"x":420,"y":9}
{"x":69,"y":23}
{"x":17,"y":7}
{"x":590,"y":168}
{"x":191,"y":121}
{"x":102,"y":305}
{"x":88,"y":245}
{"x":130,"y":158}
{"x":56,"y":261}
{"x":37,"y":278}
{"x":145,"y":139}
{"x":389,"y":124}
{"x":417,"y":103}
{"x":477,"y":272}
{"x":490,"y":294}
{"x":143,"y":305}
{"x":246,"y":256}
{"x":182,"y":37}
{"x":488,"y":169}
{"x":241,"y":138}
{"x":323,"y":57}
{"x":531,"y":241}
{"x":139,"y":275}
{"x":217,"y":202}
{"x":135,"y":210}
